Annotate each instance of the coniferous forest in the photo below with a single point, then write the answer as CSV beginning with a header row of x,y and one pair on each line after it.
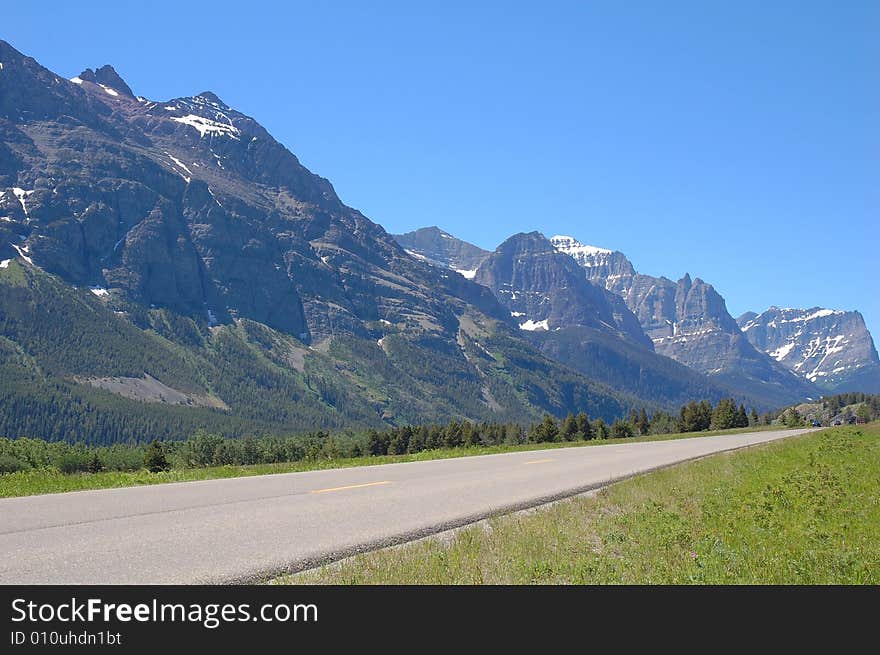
x,y
203,448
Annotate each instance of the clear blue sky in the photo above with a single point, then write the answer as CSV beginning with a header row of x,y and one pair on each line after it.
x,y
738,141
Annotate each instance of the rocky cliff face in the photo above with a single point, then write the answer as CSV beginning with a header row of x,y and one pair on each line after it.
x,y
192,206
545,290
688,321
442,249
832,348
584,325
610,268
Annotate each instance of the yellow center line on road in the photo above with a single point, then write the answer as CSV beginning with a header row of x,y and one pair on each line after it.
x,y
539,461
351,486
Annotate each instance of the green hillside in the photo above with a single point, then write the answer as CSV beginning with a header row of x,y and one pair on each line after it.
x,y
78,367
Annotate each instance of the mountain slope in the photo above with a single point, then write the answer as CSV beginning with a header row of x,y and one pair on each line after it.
x,y
832,348
689,322
186,204
227,282
63,350
442,249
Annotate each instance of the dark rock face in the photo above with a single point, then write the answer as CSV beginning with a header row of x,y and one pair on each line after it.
x,y
831,348
108,77
443,249
689,322
545,290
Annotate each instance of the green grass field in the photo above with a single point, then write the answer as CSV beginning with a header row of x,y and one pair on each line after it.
x,y
50,480
804,510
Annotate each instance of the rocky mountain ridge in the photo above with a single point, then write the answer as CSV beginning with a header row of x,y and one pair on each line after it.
x,y
829,347
685,320
442,249
688,321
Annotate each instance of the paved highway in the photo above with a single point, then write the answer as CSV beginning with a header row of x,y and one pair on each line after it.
x,y
243,528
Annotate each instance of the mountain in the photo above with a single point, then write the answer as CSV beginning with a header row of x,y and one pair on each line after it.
x,y
167,265
832,348
584,325
442,249
544,289
688,321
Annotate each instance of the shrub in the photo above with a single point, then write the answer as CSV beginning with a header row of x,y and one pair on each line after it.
x,y
73,462
201,448
10,464
224,453
120,457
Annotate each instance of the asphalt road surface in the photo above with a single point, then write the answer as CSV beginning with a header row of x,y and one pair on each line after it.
x,y
242,529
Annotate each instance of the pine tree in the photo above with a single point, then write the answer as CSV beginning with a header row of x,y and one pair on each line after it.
x,y
155,460
642,423
686,417
584,428
742,419
753,417
470,435
376,445
545,431
704,415
724,415
95,465
569,428
621,429
695,417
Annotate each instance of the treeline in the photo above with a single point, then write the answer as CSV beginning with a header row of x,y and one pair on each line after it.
x,y
870,402
851,407
207,449
698,416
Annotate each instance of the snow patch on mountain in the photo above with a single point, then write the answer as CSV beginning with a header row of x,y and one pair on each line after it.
x,y
23,253
184,167
780,353
22,195
207,127
571,246
818,314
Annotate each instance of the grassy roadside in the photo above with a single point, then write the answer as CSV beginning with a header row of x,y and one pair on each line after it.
x,y
46,481
804,510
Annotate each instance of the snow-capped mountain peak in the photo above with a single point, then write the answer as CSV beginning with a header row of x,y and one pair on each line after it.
x,y
571,246
830,347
